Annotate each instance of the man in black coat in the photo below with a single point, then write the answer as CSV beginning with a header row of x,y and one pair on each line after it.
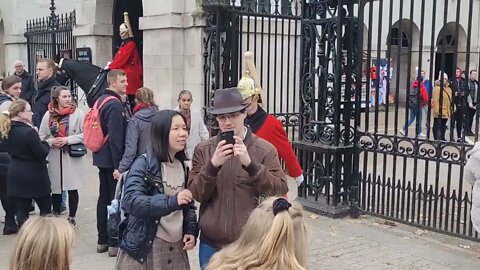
x,y
456,84
46,79
28,89
472,94
107,159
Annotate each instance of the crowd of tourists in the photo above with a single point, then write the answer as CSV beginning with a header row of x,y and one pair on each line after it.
x,y
167,162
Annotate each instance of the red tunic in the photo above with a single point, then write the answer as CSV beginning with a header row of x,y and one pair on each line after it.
x,y
272,131
127,59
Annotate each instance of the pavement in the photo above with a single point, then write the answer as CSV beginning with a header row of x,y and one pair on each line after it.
x,y
365,242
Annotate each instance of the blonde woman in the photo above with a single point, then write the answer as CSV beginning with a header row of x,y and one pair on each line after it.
x,y
27,176
195,126
441,107
43,243
61,126
274,237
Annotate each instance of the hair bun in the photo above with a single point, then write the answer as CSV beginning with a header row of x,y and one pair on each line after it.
x,y
280,205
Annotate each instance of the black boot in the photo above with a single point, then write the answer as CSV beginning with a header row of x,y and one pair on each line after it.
x,y
11,226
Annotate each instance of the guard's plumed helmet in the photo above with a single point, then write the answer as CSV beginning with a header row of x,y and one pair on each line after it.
x,y
249,84
125,26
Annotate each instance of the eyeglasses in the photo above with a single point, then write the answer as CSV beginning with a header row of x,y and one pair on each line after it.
x,y
223,117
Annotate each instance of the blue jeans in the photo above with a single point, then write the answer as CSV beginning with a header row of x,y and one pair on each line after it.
x,y
64,198
205,253
412,114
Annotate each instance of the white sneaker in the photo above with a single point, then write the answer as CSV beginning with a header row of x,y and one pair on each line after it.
x,y
402,132
422,135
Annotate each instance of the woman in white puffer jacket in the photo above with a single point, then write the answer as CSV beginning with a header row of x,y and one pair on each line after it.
x,y
472,176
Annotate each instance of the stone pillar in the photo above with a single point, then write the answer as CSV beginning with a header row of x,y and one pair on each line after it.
x,y
94,28
172,53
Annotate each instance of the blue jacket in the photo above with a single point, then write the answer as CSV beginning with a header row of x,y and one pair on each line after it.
x,y
145,203
138,136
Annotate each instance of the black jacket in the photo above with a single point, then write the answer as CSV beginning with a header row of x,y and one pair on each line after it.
x,y
4,155
114,124
42,98
28,89
27,175
145,204
472,87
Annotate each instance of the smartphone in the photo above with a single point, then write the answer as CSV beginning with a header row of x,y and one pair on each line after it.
x,y
228,137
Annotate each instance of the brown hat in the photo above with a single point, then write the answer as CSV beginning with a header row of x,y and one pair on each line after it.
x,y
227,100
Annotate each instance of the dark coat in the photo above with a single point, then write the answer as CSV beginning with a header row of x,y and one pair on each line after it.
x,y
145,204
114,123
27,175
28,88
4,156
42,98
138,136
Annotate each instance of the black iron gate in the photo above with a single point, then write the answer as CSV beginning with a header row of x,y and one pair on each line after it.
x,y
271,30
414,175
51,37
350,73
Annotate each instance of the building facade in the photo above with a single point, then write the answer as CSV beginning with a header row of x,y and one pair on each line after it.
x,y
171,37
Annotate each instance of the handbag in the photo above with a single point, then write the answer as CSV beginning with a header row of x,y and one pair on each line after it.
x,y
77,150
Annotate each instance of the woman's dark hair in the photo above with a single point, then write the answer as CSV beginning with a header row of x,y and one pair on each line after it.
x,y
160,131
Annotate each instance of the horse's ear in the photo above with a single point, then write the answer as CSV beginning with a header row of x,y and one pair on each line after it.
x,y
59,65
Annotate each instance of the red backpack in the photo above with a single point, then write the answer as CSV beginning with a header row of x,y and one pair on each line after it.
x,y
93,136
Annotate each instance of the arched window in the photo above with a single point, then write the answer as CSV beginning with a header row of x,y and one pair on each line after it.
x,y
447,40
395,38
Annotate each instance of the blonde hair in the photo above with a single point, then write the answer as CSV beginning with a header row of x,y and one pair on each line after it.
x,y
16,107
44,243
145,95
267,241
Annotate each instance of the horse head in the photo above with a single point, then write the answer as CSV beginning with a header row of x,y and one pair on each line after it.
x,y
89,77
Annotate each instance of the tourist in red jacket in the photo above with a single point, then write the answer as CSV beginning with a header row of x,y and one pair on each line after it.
x,y
265,125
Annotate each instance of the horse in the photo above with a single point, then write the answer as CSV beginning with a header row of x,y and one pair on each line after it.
x,y
91,78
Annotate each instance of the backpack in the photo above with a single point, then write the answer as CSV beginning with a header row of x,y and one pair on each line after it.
x,y
93,136
413,101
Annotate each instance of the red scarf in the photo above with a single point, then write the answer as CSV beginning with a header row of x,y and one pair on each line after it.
x,y
140,106
58,121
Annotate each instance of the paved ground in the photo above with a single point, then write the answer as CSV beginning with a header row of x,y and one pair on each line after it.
x,y
334,244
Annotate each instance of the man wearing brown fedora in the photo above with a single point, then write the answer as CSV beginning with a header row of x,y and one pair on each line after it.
x,y
227,179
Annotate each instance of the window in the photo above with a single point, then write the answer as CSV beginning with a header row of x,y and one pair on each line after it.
x,y
447,40
395,38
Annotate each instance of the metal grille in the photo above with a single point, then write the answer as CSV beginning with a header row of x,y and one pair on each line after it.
x,y
414,175
51,37
348,68
272,32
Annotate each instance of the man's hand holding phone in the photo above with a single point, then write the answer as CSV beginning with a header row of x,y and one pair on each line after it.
x,y
224,149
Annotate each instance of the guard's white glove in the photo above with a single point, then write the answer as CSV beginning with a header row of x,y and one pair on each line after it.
x,y
107,66
299,180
